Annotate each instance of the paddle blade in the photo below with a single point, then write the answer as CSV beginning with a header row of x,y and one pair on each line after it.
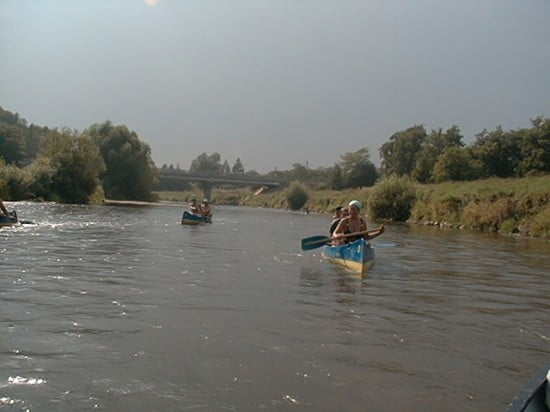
x,y
314,242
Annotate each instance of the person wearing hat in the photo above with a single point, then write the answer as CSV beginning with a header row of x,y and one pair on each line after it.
x,y
194,207
354,224
206,211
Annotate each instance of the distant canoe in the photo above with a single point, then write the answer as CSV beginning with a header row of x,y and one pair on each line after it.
x,y
6,221
357,256
191,219
535,396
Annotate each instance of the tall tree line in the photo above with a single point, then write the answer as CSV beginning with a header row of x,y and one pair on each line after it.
x,y
68,166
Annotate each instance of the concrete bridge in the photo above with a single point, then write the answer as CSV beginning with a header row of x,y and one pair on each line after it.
x,y
210,179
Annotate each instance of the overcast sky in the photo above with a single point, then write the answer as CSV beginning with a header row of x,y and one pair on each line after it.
x,y
275,82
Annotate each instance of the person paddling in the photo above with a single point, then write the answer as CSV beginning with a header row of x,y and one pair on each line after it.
x,y
335,219
206,211
5,212
353,224
194,207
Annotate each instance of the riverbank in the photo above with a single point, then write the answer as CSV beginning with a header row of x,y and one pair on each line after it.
x,y
506,206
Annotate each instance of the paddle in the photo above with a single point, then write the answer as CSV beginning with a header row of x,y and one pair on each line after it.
x,y
314,242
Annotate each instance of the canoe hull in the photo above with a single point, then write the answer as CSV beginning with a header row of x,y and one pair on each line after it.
x,y
357,256
534,397
191,219
6,221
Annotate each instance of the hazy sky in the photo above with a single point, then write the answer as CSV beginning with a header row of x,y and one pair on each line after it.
x,y
275,82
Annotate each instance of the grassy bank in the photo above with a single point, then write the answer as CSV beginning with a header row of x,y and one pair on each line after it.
x,y
507,206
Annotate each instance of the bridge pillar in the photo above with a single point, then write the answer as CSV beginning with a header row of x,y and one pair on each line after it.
x,y
207,191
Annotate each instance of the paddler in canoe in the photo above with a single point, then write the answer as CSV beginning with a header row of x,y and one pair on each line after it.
x,y
206,211
353,224
194,207
7,218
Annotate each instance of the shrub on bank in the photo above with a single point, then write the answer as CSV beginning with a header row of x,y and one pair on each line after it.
x,y
539,225
14,182
296,196
517,206
392,198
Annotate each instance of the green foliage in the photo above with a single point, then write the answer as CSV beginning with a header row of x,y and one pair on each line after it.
x,y
392,198
207,163
456,163
436,142
298,172
296,196
357,168
499,152
400,153
130,173
11,144
539,225
238,167
14,182
225,169
535,148
68,167
335,180
19,143
489,214
42,173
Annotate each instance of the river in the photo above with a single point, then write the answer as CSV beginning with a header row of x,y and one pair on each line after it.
x,y
121,308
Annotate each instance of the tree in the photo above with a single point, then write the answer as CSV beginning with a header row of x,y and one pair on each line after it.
x,y
400,153
298,172
456,163
207,163
225,168
68,167
11,143
130,172
19,143
238,167
499,152
335,180
357,169
535,148
436,142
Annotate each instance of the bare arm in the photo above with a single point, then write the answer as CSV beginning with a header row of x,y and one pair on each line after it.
x,y
376,232
3,208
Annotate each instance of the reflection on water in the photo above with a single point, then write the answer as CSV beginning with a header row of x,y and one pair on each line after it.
x,y
123,308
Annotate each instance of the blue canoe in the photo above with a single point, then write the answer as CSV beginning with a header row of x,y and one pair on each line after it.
x,y
357,256
535,396
191,219
6,221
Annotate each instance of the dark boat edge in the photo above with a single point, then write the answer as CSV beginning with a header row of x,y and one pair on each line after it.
x,y
533,395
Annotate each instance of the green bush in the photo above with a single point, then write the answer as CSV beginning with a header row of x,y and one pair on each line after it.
x,y
392,198
14,182
296,196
